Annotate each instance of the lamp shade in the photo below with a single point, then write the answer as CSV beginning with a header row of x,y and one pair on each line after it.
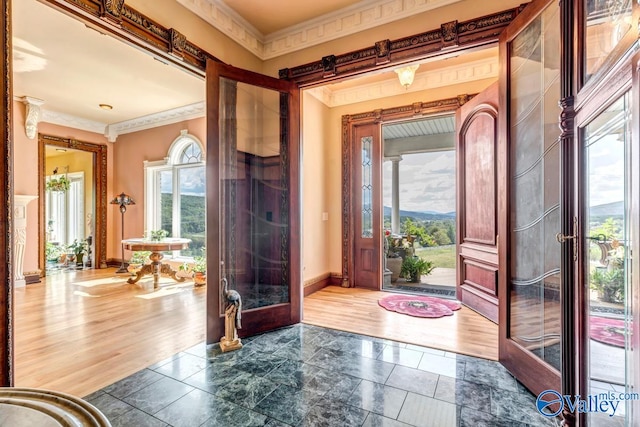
x,y
406,74
122,199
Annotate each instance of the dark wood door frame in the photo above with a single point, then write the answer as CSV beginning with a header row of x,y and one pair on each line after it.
x,y
378,117
99,165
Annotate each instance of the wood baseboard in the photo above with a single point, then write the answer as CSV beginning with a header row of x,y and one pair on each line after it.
x,y
322,281
32,277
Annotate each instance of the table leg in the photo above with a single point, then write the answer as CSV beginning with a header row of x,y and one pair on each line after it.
x,y
156,261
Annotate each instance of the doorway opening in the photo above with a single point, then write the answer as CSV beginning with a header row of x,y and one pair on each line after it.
x,y
419,206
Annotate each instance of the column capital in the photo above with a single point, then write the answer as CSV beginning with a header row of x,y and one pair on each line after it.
x,y
393,159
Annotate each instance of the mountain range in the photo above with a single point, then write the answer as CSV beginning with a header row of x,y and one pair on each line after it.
x,y
423,216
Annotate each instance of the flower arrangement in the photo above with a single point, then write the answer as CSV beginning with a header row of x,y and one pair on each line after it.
x,y
60,184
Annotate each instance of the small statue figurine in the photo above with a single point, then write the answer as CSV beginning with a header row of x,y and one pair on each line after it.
x,y
232,319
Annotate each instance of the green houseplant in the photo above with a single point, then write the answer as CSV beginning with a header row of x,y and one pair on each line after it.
x,y
413,267
79,249
60,184
199,269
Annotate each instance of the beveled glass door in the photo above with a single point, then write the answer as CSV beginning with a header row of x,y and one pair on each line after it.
x,y
530,329
253,237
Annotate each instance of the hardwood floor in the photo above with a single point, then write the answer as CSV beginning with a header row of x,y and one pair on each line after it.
x,y
78,332
357,310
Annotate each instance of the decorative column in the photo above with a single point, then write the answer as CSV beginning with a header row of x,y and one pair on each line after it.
x,y
20,233
395,194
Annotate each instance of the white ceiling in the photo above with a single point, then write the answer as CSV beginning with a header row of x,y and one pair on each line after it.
x,y
73,69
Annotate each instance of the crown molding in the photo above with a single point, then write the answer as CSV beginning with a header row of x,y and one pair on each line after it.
x,y
68,120
361,16
112,131
174,115
472,71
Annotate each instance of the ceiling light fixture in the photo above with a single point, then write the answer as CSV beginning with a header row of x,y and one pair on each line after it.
x,y
62,150
106,106
406,74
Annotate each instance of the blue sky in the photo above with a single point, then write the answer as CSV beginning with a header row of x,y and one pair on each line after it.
x,y
427,182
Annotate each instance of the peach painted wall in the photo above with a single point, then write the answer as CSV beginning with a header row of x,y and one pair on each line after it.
x,y
130,151
25,163
315,189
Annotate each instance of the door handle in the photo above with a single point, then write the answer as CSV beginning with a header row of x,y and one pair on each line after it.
x,y
561,238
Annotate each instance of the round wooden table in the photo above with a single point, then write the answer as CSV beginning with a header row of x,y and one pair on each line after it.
x,y
156,247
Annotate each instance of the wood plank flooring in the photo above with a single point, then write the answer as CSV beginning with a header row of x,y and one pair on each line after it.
x,y
77,332
357,310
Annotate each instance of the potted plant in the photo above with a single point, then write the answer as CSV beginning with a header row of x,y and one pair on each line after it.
x,y
413,267
138,258
199,269
52,252
79,249
157,235
60,184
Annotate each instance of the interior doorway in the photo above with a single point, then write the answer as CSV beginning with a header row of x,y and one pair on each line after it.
x,y
419,206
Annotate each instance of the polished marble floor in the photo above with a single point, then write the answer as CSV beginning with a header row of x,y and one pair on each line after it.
x,y
310,376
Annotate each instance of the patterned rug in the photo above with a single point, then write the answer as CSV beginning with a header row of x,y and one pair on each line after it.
x,y
419,306
607,331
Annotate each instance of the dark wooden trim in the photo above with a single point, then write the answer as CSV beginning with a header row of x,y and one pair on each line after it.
x,y
124,22
570,336
6,187
448,38
349,122
99,152
30,278
317,283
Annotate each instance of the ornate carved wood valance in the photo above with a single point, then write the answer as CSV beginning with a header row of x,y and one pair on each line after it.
x,y
450,37
122,18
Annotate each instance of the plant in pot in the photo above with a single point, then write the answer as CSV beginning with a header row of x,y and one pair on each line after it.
x,y
79,249
157,235
52,252
413,267
199,269
138,258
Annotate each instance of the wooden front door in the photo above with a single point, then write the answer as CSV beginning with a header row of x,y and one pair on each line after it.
x,y
367,156
477,204
253,201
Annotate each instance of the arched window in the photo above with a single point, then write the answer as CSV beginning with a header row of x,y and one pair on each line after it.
x,y
175,193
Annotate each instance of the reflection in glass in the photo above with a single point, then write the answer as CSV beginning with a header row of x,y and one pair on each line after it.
x,y
607,271
254,193
607,22
367,188
535,188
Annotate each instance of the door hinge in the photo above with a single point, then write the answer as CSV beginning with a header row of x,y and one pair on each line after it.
x,y
561,238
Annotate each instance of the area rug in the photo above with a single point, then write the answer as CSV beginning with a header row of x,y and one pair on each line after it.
x,y
607,331
419,306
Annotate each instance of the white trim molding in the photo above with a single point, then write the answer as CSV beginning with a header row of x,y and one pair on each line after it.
x,y
472,71
355,18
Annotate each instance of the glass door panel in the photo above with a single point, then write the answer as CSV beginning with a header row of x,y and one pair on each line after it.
x,y
607,269
606,23
254,196
535,206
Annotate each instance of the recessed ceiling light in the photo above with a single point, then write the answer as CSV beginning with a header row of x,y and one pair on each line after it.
x,y
106,106
61,149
